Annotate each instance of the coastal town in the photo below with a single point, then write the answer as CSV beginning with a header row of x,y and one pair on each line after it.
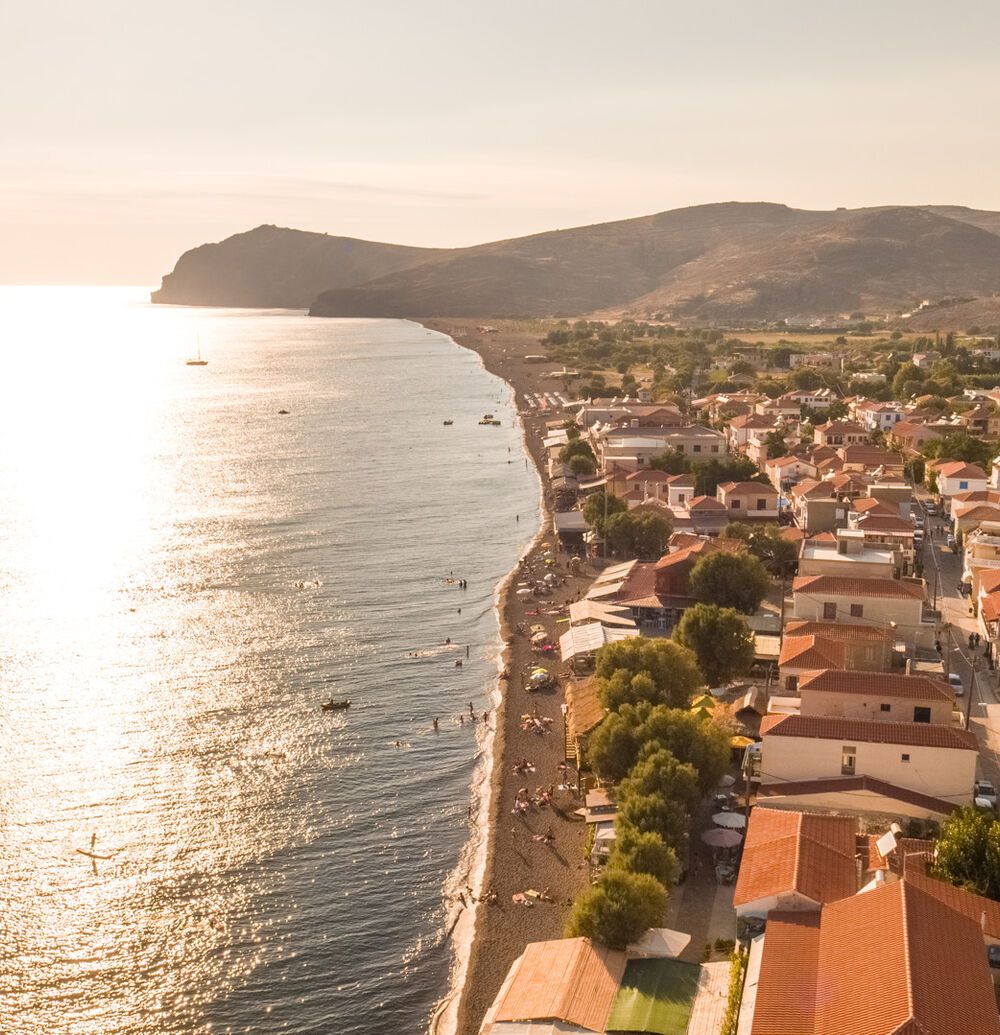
x,y
747,755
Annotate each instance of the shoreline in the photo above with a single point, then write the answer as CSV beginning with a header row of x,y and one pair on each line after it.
x,y
516,863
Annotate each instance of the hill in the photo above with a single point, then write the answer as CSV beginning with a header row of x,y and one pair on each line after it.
x,y
272,267
728,261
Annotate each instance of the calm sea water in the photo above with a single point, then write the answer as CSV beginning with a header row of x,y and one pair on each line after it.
x,y
184,575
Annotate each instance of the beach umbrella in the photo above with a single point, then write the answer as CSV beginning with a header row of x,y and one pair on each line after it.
x,y
539,638
704,701
727,780
538,628
741,742
701,713
719,838
733,820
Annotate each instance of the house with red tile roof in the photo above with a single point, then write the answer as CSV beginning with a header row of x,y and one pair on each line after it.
x,y
939,761
876,696
748,501
839,433
895,960
795,860
955,476
896,605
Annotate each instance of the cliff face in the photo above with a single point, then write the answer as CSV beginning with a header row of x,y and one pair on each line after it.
x,y
709,262
272,267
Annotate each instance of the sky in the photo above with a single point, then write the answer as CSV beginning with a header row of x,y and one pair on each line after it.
x,y
133,131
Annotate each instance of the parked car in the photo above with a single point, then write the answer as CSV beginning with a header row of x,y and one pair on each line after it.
x,y
955,682
918,518
952,542
984,791
931,508
918,537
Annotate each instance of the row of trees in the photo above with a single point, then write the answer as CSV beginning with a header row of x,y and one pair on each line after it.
x,y
663,759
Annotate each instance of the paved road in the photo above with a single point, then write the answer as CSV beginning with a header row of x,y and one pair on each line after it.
x,y
944,569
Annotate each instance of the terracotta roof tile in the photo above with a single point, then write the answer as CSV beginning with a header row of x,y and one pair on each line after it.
x,y
989,581
811,652
881,684
892,961
915,734
846,631
838,585
788,852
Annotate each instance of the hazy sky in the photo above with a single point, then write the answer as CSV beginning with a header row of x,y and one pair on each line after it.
x,y
132,131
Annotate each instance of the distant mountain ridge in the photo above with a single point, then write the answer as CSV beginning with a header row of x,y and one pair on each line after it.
x,y
725,261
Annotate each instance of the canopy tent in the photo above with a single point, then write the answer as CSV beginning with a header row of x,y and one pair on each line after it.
x,y
741,742
660,942
594,611
703,701
586,639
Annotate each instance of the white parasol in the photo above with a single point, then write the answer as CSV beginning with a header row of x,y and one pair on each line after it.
x,y
733,820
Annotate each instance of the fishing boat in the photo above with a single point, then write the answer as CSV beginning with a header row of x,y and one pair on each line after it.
x,y
335,706
448,423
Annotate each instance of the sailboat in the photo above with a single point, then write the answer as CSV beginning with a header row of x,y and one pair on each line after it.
x,y
199,362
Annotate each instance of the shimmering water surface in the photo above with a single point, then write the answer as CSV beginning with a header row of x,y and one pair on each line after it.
x,y
184,575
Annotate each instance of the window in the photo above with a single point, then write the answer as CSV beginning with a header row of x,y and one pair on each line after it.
x,y
921,714
885,707
762,504
904,758
857,610
734,504
963,485
848,760
829,610
696,448
792,684
715,449
680,497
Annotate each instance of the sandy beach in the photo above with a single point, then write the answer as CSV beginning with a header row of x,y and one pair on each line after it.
x,y
516,863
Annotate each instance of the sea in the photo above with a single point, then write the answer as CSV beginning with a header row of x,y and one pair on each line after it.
x,y
192,560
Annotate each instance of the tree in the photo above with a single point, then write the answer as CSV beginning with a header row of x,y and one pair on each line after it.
x,y
577,447
968,851
660,774
627,737
961,446
671,670
642,534
619,909
582,465
730,580
907,375
775,442
640,851
595,507
709,474
765,542
720,639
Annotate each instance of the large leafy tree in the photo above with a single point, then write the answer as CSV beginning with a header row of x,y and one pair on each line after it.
x,y
720,639
643,852
642,534
619,909
595,507
732,580
638,731
961,446
671,670
968,851
765,542
575,447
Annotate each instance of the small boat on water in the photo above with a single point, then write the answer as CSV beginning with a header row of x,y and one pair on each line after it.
x,y
448,423
490,422
335,706
197,361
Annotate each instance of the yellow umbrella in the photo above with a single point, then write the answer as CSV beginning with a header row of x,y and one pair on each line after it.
x,y
741,742
701,713
704,701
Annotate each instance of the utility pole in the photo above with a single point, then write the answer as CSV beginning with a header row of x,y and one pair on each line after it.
x,y
972,690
